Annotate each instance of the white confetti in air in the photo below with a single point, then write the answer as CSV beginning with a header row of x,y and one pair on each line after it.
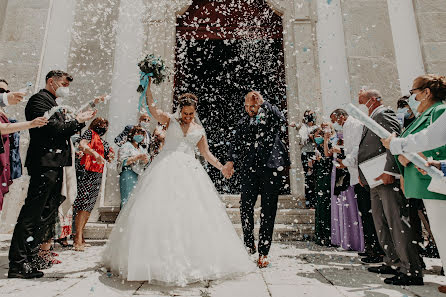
x,y
29,239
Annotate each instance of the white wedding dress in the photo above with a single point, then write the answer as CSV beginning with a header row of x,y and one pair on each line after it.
x,y
174,230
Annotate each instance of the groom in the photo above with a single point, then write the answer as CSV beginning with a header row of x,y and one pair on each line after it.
x,y
261,156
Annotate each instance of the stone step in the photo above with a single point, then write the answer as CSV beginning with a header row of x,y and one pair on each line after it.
x,y
282,232
283,216
109,214
285,201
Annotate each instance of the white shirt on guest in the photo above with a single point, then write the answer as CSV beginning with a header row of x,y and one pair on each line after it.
x,y
352,132
428,139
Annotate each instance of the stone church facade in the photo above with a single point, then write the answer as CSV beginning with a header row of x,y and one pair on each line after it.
x,y
331,49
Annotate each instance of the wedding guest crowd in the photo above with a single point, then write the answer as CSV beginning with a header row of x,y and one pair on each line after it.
x,y
66,167
382,218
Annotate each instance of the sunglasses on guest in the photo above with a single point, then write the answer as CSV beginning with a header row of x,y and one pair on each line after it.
x,y
3,91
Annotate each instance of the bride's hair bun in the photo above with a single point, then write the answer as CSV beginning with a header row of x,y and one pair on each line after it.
x,y
187,99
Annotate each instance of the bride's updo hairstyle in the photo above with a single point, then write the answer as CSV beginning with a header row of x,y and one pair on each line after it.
x,y
187,99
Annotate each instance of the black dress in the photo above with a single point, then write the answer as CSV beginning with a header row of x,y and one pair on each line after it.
x,y
322,172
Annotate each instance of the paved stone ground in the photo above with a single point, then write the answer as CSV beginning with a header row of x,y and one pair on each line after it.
x,y
298,269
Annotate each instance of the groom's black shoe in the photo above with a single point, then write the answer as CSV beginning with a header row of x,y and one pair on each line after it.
x,y
24,270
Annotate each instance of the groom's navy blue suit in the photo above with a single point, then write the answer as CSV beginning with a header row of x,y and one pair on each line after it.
x,y
260,155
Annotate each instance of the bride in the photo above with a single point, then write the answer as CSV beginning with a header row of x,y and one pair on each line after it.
x,y
174,230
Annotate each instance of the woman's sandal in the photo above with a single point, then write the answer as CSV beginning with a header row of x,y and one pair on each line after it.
x,y
79,248
48,256
63,243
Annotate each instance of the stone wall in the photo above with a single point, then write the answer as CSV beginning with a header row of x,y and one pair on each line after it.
x,y
431,17
21,38
90,59
370,50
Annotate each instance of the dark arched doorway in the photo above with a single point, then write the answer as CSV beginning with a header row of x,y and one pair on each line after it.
x,y
225,49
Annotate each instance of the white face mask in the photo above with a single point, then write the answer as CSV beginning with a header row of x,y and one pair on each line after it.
x,y
363,108
414,104
62,92
145,125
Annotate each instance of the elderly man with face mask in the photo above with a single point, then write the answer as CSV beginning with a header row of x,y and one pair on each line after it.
x,y
144,122
389,206
260,155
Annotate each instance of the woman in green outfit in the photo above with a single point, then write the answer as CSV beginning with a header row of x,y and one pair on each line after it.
x,y
428,108
428,88
427,94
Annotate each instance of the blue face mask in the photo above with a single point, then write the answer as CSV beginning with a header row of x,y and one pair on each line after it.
x,y
413,104
319,140
138,138
404,111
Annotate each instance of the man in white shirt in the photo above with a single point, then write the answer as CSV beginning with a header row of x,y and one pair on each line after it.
x,y
352,132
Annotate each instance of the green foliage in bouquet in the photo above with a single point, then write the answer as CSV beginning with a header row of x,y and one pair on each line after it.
x,y
154,67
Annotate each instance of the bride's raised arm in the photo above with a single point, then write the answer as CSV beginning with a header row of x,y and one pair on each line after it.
x,y
204,151
161,116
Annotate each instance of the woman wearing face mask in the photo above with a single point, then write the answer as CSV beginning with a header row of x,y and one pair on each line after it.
x,y
307,148
427,94
132,160
89,175
322,166
404,112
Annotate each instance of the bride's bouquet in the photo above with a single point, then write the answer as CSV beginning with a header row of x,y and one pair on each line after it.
x,y
153,67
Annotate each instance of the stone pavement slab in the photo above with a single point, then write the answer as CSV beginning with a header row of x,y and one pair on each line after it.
x,y
297,269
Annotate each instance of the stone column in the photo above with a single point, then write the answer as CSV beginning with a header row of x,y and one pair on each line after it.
x,y
124,98
335,82
57,39
369,48
408,56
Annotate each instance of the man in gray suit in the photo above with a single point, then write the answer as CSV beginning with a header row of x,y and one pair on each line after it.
x,y
389,206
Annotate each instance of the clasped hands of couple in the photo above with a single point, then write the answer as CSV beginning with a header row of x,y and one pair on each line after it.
x,y
228,170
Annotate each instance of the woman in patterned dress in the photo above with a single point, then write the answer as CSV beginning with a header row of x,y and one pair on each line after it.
x,y
89,175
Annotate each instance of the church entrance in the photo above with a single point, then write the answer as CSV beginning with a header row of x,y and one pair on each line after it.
x,y
224,49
